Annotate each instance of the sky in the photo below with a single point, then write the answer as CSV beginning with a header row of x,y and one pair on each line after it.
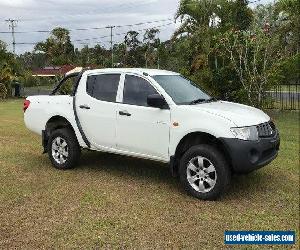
x,y
41,15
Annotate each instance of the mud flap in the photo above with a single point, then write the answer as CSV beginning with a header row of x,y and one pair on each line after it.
x,y
173,166
45,141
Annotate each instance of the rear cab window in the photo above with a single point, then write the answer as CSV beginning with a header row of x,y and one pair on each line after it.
x,y
103,87
65,86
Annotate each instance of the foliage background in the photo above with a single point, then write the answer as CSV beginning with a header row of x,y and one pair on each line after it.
x,y
233,51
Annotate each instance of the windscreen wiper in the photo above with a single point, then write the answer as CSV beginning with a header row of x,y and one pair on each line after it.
x,y
202,100
197,101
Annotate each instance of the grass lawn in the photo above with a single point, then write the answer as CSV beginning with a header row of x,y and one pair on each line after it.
x,y
112,201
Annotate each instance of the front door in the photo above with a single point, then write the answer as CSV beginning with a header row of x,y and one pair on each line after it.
x,y
141,129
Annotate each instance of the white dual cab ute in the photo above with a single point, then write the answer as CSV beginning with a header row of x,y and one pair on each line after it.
x,y
157,115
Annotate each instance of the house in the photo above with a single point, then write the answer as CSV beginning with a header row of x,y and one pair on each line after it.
x,y
52,71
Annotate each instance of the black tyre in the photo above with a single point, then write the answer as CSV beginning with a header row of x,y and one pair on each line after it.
x,y
204,172
63,148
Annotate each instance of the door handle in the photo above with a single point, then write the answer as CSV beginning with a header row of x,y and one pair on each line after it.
x,y
124,113
84,107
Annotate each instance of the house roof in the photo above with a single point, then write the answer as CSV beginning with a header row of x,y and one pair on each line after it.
x,y
53,70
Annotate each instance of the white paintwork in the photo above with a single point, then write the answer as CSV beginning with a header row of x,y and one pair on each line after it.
x,y
43,107
146,124
148,132
98,122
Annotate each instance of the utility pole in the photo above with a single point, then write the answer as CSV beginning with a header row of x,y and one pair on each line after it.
x,y
12,25
111,44
88,54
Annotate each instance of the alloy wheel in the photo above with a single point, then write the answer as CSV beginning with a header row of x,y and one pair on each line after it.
x,y
201,174
60,151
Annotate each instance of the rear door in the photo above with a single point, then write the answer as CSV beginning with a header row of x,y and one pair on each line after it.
x,y
97,109
141,130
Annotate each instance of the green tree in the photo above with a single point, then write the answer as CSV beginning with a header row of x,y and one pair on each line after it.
x,y
289,15
242,14
8,68
120,54
252,54
151,42
84,56
58,47
32,60
202,20
134,52
195,15
281,22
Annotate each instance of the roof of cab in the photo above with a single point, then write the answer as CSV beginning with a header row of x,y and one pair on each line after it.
x,y
140,71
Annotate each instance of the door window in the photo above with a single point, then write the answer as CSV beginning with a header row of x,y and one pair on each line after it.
x,y
136,91
103,87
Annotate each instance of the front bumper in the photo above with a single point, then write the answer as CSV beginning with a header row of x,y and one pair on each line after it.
x,y
247,156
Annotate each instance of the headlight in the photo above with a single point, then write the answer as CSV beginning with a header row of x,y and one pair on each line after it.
x,y
245,133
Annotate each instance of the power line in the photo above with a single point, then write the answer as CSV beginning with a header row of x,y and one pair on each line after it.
x,y
159,26
122,33
149,22
102,42
81,41
87,29
106,36
12,25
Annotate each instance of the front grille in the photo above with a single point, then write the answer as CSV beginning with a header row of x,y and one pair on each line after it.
x,y
272,125
266,129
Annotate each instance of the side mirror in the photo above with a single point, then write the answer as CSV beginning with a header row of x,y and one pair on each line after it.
x,y
157,101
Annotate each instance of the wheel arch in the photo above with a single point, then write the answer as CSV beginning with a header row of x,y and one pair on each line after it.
x,y
54,123
196,138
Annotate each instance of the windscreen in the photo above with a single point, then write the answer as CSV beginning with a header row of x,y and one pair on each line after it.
x,y
180,89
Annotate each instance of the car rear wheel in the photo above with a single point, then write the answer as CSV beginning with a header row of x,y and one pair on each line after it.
x,y
63,149
204,172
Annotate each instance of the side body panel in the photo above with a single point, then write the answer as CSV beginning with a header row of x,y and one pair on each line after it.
x,y
42,108
190,121
146,131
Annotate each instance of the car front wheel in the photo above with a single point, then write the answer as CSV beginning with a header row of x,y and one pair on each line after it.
x,y
204,172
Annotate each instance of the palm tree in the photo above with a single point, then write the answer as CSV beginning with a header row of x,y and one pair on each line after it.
x,y
196,15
